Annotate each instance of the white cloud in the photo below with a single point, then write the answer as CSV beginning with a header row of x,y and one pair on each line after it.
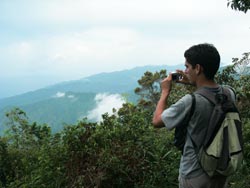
x,y
105,104
71,96
59,95
92,11
98,43
62,94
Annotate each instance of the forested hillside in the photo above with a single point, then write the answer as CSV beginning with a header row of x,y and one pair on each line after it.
x,y
74,99
122,150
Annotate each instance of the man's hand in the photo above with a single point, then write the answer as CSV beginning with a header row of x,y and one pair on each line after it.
x,y
166,85
184,79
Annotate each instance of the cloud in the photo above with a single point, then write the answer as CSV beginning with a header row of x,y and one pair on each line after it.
x,y
105,104
109,11
62,94
98,43
59,95
71,96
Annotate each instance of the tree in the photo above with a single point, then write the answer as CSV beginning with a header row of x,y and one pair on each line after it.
x,y
24,134
242,67
149,89
241,5
237,76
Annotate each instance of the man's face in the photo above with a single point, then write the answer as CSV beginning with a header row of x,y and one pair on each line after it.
x,y
190,72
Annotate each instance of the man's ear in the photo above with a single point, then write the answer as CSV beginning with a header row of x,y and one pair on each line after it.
x,y
198,69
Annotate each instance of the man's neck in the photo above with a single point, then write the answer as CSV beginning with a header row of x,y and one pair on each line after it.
x,y
206,83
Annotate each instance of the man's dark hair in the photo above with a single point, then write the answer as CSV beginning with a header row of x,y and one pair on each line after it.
x,y
207,56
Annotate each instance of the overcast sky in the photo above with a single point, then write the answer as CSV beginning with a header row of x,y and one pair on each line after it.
x,y
48,41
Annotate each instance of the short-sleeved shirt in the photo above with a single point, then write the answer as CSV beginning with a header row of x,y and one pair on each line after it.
x,y
178,114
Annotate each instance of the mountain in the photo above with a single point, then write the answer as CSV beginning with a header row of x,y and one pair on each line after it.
x,y
68,101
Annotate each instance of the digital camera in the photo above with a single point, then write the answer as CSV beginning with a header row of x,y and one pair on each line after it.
x,y
176,76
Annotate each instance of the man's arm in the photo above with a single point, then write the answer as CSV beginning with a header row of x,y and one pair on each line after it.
x,y
162,103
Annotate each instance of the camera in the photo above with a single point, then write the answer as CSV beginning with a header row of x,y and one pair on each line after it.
x,y
176,76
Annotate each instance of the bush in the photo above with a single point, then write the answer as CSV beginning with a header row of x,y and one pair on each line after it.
x,y
116,153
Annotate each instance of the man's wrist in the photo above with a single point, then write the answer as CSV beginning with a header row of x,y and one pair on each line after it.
x,y
164,96
165,93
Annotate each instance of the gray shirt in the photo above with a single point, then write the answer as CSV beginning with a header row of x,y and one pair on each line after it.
x,y
178,114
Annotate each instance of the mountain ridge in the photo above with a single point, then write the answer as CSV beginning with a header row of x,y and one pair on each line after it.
x,y
85,84
43,101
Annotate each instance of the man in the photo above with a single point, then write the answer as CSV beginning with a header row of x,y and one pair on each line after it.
x,y
202,63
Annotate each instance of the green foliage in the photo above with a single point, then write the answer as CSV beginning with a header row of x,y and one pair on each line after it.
x,y
118,152
28,156
149,89
241,5
122,151
237,75
4,163
242,178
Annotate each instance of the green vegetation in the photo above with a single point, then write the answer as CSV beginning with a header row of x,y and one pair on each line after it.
x,y
123,150
240,5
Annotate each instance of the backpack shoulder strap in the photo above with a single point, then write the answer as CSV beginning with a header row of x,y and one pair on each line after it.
x,y
192,106
230,92
210,96
214,98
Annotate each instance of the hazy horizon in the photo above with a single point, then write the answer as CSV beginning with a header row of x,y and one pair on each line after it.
x,y
64,81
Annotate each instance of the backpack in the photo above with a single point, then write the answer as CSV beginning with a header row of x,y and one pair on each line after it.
x,y
221,153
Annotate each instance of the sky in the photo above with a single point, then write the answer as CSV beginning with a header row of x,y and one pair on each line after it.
x,y
50,41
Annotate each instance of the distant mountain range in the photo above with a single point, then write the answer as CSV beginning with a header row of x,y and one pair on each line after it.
x,y
66,102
